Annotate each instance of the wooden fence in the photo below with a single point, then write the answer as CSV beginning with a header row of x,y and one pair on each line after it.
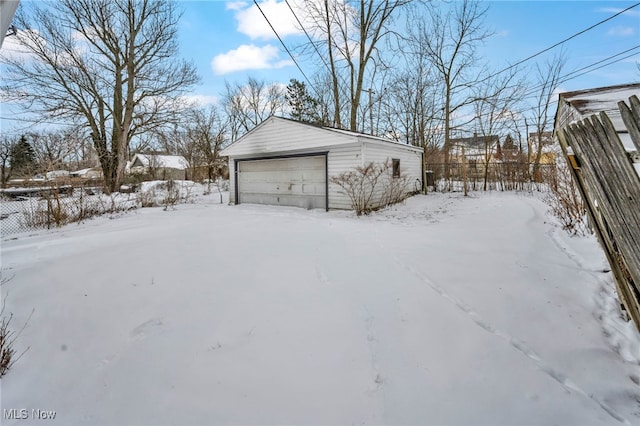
x,y
610,186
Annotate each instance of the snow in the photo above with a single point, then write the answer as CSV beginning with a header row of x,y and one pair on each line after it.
x,y
168,161
443,310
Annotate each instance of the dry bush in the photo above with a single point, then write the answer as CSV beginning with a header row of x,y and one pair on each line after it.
x,y
172,197
565,201
147,198
55,211
395,190
360,185
8,338
166,194
371,186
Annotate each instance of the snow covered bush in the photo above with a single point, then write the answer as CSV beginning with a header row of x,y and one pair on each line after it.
x,y
165,193
372,186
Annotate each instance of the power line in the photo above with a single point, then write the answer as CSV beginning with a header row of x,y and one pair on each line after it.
x,y
340,76
566,39
567,77
285,47
308,36
529,94
577,73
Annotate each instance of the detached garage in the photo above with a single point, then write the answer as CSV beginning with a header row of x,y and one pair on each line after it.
x,y
288,163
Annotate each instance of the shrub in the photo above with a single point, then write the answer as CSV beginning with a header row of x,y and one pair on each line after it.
x,y
172,196
8,338
565,201
372,186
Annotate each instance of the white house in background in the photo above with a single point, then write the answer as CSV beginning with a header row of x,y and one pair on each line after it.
x,y
289,163
159,166
57,174
89,173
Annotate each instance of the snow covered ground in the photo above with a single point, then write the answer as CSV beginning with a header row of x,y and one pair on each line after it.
x,y
444,310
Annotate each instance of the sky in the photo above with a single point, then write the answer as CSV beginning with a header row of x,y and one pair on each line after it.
x,y
229,41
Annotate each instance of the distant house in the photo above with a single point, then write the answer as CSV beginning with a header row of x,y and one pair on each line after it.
x,y
89,173
57,174
162,167
549,148
475,152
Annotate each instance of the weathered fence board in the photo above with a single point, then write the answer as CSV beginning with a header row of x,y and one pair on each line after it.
x,y
585,178
631,119
610,186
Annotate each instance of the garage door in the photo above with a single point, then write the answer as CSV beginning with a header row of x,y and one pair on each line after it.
x,y
293,181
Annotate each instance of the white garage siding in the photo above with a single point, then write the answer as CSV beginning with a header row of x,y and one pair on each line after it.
x,y
410,161
278,138
290,181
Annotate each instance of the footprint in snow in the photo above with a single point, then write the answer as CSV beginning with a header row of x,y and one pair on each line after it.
x,y
145,328
322,277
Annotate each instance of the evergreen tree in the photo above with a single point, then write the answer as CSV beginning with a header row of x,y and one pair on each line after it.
x,y
304,107
509,143
22,158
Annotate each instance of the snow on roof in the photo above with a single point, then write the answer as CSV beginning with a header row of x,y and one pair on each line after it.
x,y
602,99
167,161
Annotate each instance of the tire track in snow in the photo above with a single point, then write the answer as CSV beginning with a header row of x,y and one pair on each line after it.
x,y
377,385
518,345
376,377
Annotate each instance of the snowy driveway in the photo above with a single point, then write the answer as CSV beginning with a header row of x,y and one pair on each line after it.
x,y
441,311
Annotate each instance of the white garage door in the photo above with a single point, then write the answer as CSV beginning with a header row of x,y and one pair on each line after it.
x,y
296,181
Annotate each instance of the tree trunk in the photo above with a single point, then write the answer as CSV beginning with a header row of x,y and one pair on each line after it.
x,y
447,130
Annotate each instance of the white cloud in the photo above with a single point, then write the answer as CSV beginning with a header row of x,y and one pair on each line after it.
x,y
236,5
615,10
621,31
253,24
201,100
18,46
248,57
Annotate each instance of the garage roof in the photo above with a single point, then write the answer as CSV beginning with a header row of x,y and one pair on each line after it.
x,y
278,134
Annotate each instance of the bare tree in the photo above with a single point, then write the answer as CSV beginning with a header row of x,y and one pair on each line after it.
x,y
411,105
54,149
206,133
548,78
495,99
450,39
247,105
323,84
110,64
350,33
6,147
411,109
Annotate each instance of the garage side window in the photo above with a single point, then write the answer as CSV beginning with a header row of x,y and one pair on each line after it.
x,y
395,162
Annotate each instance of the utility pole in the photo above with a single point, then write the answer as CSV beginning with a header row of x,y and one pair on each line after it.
x,y
370,91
